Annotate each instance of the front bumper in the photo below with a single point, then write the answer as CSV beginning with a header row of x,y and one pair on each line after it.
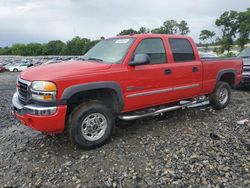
x,y
40,118
245,79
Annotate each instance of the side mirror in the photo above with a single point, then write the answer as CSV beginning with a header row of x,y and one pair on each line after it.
x,y
140,59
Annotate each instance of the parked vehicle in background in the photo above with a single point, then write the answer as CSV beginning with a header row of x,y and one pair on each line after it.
x,y
6,65
245,55
207,55
126,77
2,68
19,67
51,62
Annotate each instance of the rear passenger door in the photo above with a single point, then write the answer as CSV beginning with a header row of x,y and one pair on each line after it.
x,y
186,69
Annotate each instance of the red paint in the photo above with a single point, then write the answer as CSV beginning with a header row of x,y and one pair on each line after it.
x,y
53,124
151,77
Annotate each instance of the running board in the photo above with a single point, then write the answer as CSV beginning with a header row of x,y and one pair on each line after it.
x,y
154,112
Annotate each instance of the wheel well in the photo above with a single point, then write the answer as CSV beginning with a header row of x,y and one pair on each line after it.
x,y
229,78
107,96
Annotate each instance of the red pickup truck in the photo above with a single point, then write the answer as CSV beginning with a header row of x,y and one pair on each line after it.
x,y
124,77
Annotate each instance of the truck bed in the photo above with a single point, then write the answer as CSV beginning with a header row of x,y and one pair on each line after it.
x,y
213,67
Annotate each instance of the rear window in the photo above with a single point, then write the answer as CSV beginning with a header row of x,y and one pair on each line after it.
x,y
182,50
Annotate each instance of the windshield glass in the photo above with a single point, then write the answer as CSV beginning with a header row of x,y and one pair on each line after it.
x,y
245,53
109,50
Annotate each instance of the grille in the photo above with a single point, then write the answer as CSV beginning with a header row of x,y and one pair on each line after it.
x,y
246,68
23,90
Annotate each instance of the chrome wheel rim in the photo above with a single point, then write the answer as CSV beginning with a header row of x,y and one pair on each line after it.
x,y
223,96
94,126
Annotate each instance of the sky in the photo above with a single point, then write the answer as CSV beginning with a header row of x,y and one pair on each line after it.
x,y
25,21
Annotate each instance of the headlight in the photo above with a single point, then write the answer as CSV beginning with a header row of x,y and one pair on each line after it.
x,y
43,91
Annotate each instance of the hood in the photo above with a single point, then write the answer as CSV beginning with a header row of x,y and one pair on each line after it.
x,y
61,70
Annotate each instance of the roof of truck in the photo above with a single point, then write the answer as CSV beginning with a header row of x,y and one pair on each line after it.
x,y
151,35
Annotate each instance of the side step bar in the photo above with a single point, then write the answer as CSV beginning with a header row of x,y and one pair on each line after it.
x,y
183,104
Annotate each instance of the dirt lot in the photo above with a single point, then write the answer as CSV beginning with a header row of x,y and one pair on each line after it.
x,y
193,147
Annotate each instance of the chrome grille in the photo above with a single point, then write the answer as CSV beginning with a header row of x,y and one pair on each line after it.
x,y
246,68
23,90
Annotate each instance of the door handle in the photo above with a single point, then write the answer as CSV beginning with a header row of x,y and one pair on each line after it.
x,y
195,69
167,71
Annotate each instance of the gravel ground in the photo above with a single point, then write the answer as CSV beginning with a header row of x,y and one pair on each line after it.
x,y
196,147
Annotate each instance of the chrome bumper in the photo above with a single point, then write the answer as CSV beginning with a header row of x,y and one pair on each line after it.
x,y
31,108
245,78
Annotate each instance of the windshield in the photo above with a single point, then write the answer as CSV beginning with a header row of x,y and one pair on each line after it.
x,y
109,50
245,53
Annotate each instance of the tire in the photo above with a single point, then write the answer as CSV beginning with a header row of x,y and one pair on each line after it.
x,y
220,98
15,70
85,121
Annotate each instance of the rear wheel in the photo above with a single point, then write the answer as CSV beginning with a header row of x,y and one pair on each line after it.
x,y
220,98
90,124
15,70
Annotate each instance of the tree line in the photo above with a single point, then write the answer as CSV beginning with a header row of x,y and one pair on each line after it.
x,y
234,28
76,46
168,27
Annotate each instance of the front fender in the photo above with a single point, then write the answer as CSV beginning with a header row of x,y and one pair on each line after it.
x,y
72,90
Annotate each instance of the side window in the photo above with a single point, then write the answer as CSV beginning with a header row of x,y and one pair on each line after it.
x,y
182,50
154,49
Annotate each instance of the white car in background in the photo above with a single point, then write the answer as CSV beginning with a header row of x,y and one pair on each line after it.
x,y
6,66
208,55
19,67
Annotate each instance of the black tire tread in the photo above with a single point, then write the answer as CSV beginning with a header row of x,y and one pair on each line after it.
x,y
213,98
72,116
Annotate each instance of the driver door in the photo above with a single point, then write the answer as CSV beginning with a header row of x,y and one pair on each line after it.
x,y
148,85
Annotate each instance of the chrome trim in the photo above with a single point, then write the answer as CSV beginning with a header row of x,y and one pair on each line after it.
x,y
246,74
185,87
42,92
28,83
31,108
163,90
24,81
132,88
157,112
199,101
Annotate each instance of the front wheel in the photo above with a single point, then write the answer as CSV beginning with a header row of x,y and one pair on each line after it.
x,y
15,70
90,125
220,98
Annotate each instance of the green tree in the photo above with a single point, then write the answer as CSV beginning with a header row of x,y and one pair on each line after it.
x,y
77,46
6,51
228,24
128,32
34,49
143,30
159,30
55,47
244,28
206,37
183,28
172,27
18,49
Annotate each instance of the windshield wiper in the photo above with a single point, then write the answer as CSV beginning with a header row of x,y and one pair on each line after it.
x,y
95,59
